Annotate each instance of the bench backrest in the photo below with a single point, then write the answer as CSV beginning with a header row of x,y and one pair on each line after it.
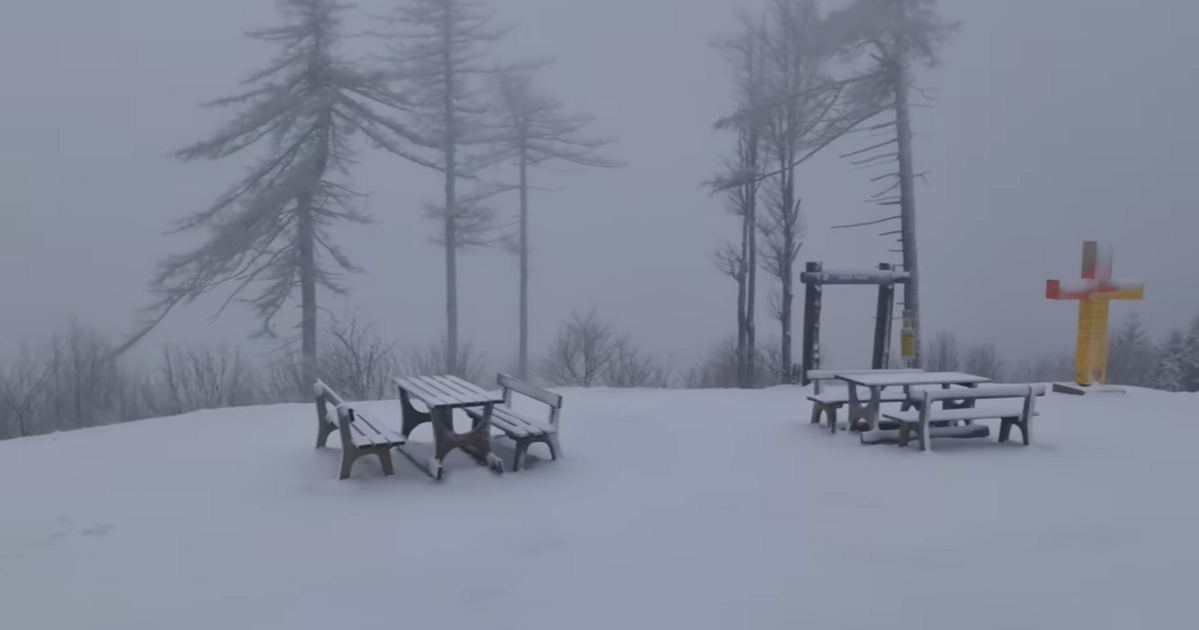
x,y
983,392
816,376
513,384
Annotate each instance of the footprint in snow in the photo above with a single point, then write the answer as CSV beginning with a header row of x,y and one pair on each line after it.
x,y
99,529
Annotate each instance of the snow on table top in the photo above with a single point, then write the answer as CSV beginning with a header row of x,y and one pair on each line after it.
x,y
911,378
445,391
231,519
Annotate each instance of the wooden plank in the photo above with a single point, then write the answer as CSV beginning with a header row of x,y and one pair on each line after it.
x,y
828,375
841,399
447,392
510,428
416,388
473,393
531,427
949,415
891,436
388,434
462,392
913,378
532,391
982,393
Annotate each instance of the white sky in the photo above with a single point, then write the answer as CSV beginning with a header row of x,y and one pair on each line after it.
x,y
1055,121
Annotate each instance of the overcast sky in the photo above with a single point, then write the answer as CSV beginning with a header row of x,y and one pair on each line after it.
x,y
1053,122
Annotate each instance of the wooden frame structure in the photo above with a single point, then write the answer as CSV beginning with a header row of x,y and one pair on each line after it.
x,y
815,277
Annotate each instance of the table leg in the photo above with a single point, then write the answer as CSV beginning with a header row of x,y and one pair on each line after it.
x,y
476,442
411,418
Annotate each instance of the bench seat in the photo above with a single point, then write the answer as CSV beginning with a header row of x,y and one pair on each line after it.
x,y
893,436
949,415
512,423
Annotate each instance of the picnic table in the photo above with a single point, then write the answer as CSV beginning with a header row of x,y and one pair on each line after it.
x,y
870,410
443,394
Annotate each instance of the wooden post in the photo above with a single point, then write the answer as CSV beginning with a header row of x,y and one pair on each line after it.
x,y
811,323
882,322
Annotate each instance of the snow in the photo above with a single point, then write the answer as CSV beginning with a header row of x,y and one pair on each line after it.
x,y
230,519
910,378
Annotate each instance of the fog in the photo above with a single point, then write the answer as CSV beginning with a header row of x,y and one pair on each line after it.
x,y
1050,123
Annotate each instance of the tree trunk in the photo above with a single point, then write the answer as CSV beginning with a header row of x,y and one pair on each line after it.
x,y
524,264
907,201
307,249
451,202
742,321
751,289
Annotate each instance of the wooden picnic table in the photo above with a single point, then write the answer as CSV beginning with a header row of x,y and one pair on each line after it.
x,y
869,410
443,394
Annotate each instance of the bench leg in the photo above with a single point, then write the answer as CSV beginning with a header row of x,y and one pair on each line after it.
x,y
347,462
555,448
830,412
922,434
322,436
817,411
518,460
1005,428
905,434
385,461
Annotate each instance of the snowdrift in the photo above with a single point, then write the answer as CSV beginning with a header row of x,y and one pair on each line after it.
x,y
673,509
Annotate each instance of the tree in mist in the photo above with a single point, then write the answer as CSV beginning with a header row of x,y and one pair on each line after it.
x,y
983,359
798,120
941,354
582,352
739,183
302,113
1170,373
1132,358
535,130
435,51
889,36
190,379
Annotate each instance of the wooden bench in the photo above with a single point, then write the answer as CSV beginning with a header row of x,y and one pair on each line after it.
x,y
922,421
519,427
827,404
360,435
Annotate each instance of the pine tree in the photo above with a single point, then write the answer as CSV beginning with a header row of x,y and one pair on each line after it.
x,y
1132,359
435,51
304,110
891,35
1170,374
535,130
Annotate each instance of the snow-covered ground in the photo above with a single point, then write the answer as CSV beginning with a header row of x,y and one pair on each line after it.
x,y
674,509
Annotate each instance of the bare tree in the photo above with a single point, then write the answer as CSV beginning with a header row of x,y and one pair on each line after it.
x,y
984,360
942,353
535,130
196,378
435,51
434,359
632,368
582,353
304,110
356,360
22,394
890,35
739,181
801,119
